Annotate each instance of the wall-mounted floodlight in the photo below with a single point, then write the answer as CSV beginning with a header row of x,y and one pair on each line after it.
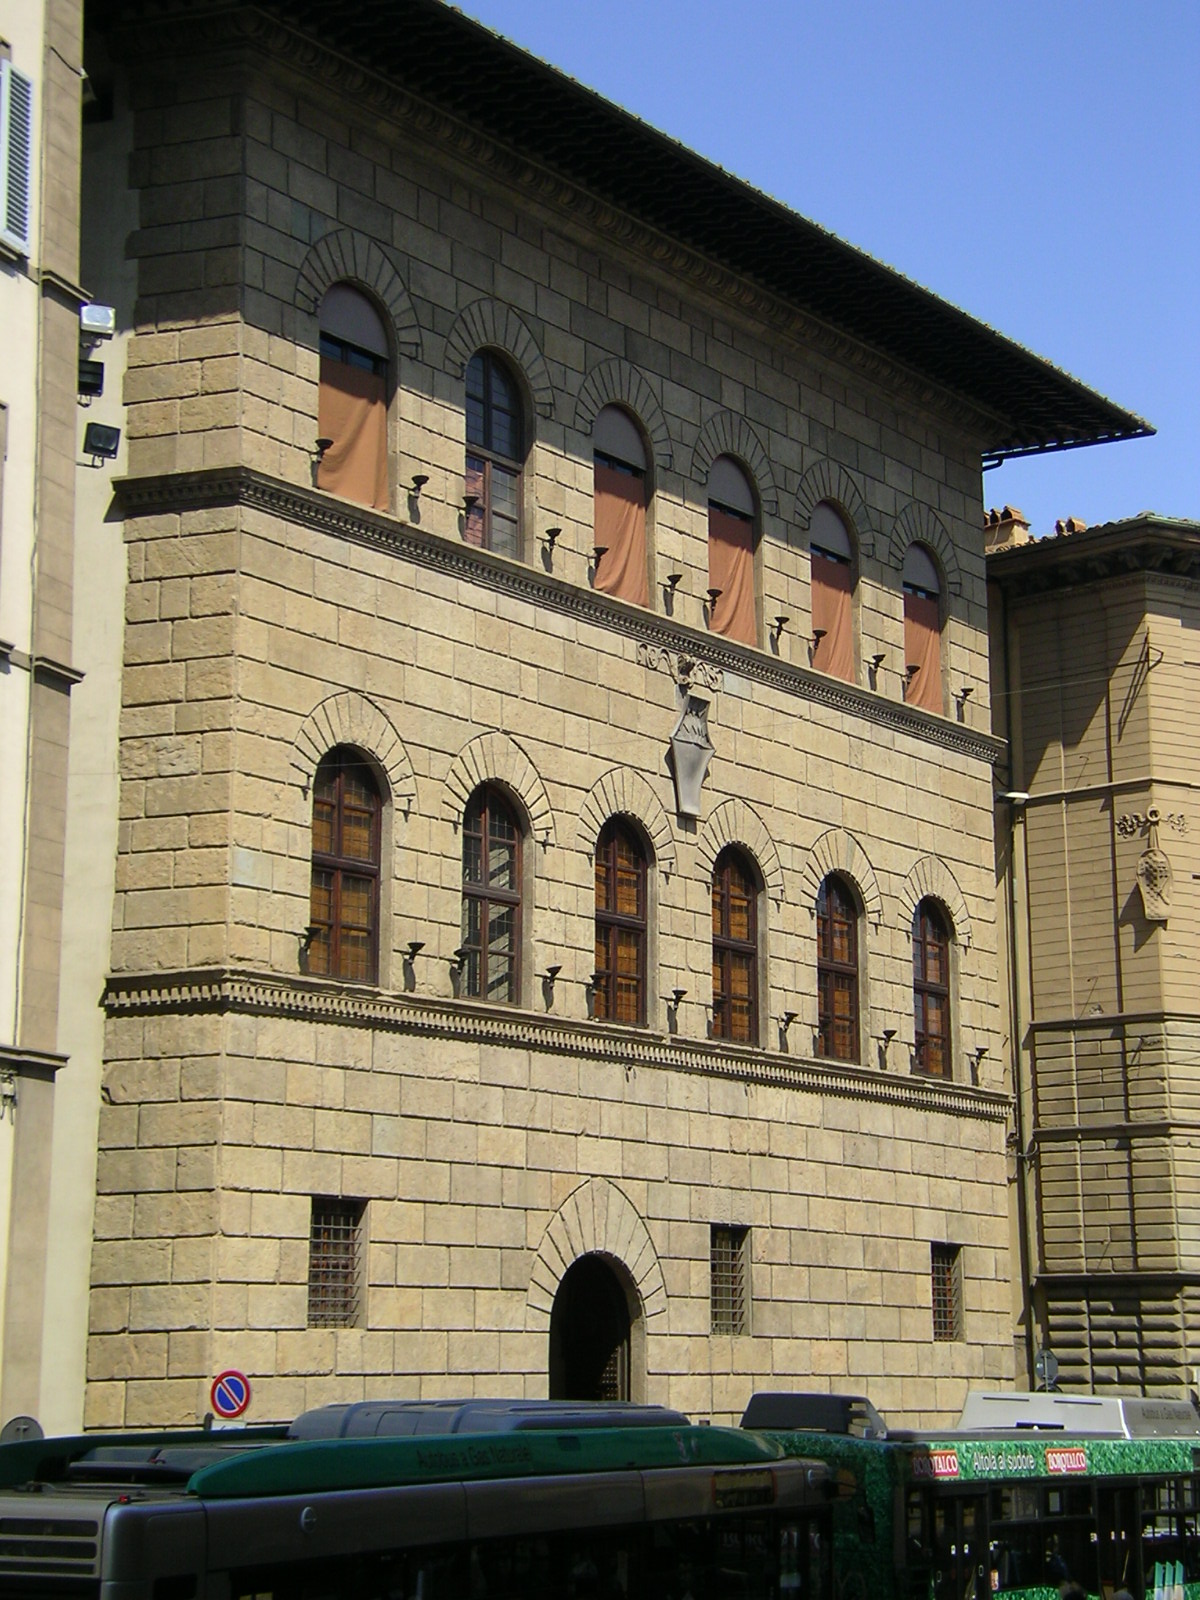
x,y
91,378
97,322
101,442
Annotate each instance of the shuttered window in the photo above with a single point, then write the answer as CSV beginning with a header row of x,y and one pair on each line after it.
x,y
344,902
619,981
735,949
931,991
16,158
837,972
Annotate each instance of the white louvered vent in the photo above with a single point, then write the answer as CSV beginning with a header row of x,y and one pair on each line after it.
x,y
16,157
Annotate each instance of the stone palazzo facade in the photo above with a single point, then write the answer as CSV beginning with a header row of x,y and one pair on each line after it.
x,y
512,981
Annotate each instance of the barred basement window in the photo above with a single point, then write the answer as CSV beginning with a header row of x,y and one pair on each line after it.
x,y
945,1271
335,1251
729,1289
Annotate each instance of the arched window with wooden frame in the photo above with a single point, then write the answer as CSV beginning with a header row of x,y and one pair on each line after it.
x,y
491,904
619,458
734,948
837,971
353,398
922,630
619,980
495,455
343,934
732,515
931,991
831,573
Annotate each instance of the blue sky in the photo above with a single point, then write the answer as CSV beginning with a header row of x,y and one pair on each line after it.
x,y
1036,164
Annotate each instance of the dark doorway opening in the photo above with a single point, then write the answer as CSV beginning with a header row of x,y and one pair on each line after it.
x,y
589,1334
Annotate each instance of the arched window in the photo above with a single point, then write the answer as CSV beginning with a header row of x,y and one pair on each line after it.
x,y
495,454
352,401
620,516
837,971
491,908
832,578
344,905
619,993
731,552
922,630
735,949
931,990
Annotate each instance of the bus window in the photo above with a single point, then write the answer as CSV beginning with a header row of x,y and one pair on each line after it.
x,y
1117,1531
759,1557
1170,1543
960,1572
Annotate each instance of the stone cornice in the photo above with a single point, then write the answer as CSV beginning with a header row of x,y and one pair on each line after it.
x,y
1153,547
1103,1280
234,29
1118,1128
310,508
228,992
31,1063
1113,1019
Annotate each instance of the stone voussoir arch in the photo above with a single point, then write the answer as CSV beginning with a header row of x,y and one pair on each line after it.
x,y
840,852
596,1218
828,481
734,822
349,718
492,325
932,879
727,434
495,758
346,256
622,792
619,383
917,524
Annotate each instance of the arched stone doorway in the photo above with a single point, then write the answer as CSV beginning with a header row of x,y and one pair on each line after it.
x,y
595,1333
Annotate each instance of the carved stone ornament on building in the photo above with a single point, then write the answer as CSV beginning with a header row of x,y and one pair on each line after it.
x,y
691,751
1154,875
685,669
1131,823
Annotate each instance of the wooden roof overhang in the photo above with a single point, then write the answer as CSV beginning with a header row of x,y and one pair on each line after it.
x,y
433,52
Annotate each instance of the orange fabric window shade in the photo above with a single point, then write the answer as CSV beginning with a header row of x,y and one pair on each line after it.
x,y
731,570
352,411
832,617
621,532
923,650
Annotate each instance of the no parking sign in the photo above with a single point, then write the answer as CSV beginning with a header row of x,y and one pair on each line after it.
x,y
230,1394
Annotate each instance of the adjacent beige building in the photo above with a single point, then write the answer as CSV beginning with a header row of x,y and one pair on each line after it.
x,y
554,940
1094,661
53,924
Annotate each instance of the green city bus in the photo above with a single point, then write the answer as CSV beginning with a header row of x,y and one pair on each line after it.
x,y
485,1500
1029,1496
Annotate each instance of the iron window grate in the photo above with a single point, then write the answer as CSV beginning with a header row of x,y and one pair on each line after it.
x,y
335,1262
946,1283
729,1282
